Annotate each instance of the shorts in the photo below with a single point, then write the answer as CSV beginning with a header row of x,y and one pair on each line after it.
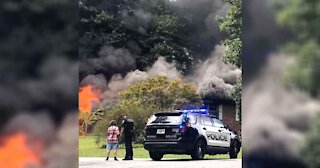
x,y
113,146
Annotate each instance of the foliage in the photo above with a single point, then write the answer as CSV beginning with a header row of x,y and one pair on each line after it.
x,y
86,120
147,30
311,151
161,93
232,25
140,100
304,73
302,18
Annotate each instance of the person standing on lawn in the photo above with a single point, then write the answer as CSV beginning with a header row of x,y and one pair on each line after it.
x,y
112,139
127,132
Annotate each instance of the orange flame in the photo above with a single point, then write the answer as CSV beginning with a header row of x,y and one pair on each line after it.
x,y
87,96
15,152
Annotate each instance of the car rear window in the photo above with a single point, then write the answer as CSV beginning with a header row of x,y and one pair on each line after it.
x,y
166,118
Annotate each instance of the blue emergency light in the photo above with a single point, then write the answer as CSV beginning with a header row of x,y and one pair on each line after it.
x,y
201,111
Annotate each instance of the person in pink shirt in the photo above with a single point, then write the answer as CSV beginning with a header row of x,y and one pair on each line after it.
x,y
113,134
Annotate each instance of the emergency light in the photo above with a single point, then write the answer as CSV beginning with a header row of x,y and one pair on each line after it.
x,y
201,111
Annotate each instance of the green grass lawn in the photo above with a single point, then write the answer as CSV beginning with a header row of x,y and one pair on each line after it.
x,y
88,148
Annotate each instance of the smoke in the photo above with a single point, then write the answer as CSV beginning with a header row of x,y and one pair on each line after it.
x,y
138,21
58,144
201,27
110,61
214,77
275,118
118,82
52,91
37,106
39,76
202,23
161,67
261,34
37,125
66,137
98,81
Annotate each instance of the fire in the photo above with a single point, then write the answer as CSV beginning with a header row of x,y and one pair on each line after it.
x,y
15,152
87,96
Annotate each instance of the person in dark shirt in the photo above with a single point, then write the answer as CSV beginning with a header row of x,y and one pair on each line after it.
x,y
127,133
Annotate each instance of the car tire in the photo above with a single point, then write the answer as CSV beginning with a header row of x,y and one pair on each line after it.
x,y
233,151
155,156
199,150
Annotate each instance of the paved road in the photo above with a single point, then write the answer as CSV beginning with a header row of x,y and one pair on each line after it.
x,y
165,163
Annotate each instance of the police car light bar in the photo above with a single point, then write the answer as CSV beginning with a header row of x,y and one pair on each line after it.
x,y
202,111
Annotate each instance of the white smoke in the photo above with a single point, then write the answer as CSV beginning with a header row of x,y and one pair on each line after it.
x,y
213,76
275,117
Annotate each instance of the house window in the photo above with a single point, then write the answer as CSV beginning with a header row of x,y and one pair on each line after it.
x,y
220,110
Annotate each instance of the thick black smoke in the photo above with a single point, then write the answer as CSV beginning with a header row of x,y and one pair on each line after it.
x,y
38,68
260,35
202,23
110,61
39,75
54,91
201,28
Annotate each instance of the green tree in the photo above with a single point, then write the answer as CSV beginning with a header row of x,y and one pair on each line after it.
x,y
232,25
86,120
160,92
311,150
304,73
144,98
302,18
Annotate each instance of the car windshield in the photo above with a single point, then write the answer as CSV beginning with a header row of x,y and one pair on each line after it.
x,y
166,118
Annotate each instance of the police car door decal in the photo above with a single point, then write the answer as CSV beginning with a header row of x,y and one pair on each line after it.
x,y
211,132
223,135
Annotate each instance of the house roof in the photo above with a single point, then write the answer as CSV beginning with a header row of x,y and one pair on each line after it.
x,y
212,99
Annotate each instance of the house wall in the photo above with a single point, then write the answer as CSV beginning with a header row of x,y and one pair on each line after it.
x,y
229,117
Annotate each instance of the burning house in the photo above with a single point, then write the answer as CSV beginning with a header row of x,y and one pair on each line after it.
x,y
212,78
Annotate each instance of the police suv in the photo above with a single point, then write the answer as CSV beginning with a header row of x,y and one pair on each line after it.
x,y
192,132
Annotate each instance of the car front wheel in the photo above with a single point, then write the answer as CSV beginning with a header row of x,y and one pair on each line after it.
x,y
155,156
233,151
199,150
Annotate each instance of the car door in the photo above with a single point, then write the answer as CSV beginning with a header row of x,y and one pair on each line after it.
x,y
211,133
224,137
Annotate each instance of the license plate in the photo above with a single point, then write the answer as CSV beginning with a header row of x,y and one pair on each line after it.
x,y
161,131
